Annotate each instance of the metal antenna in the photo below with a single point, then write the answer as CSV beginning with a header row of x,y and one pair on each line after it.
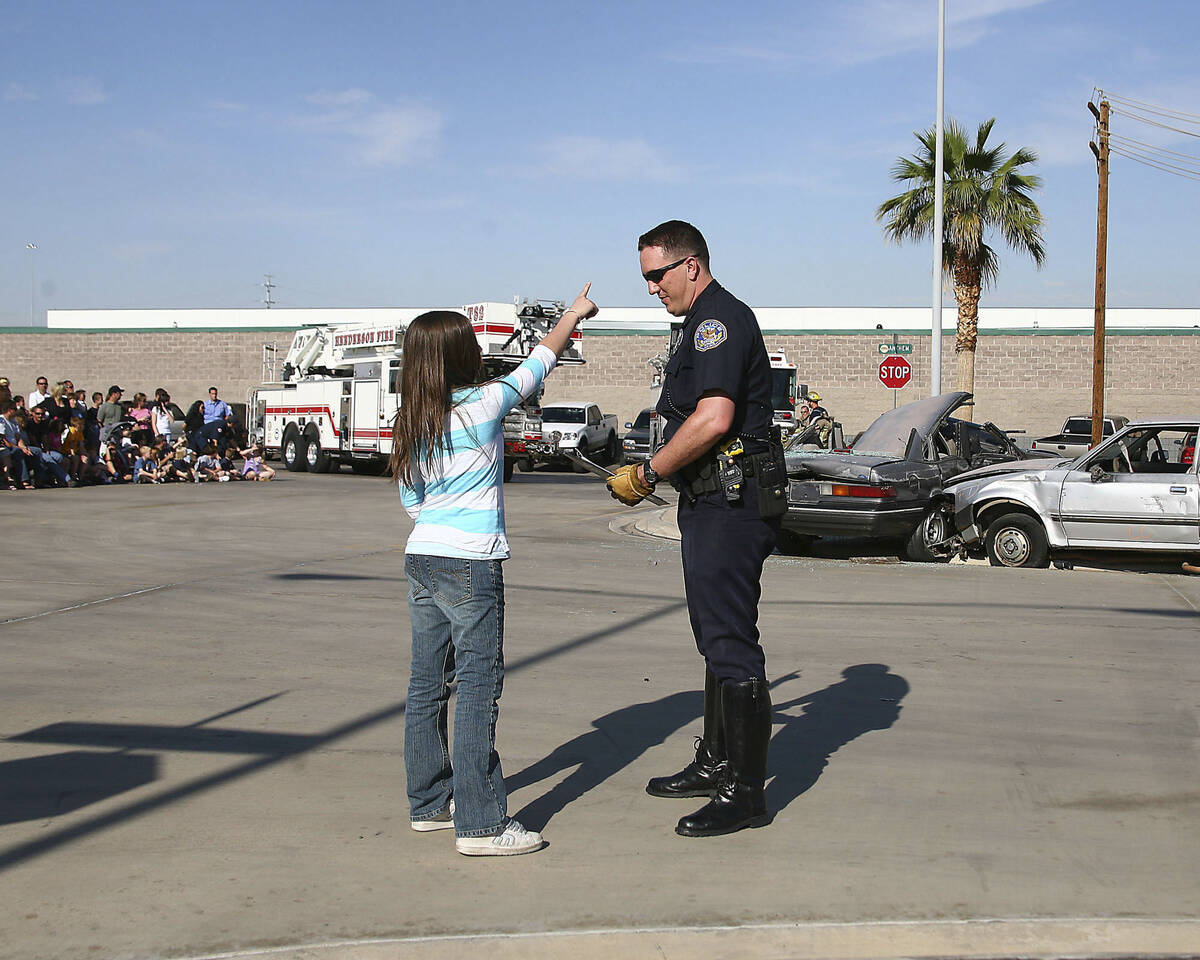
x,y
269,286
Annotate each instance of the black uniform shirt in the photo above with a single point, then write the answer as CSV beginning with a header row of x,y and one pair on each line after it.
x,y
720,348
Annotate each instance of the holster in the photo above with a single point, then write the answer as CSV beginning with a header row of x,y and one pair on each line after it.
x,y
770,473
698,477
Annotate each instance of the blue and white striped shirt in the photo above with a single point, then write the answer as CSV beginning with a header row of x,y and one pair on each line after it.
x,y
458,501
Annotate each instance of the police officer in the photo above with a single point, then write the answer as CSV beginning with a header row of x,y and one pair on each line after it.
x,y
723,456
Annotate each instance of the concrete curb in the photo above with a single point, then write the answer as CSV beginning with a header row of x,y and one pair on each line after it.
x,y
882,940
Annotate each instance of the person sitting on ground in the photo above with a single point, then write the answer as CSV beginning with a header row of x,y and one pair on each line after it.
x,y
175,467
145,467
72,448
44,436
117,464
227,458
13,450
255,468
208,466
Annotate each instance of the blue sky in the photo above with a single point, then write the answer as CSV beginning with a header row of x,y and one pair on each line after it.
x,y
167,154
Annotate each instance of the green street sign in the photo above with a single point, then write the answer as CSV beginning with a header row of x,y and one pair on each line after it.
x,y
895,349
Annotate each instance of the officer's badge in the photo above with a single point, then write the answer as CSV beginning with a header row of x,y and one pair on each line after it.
x,y
710,333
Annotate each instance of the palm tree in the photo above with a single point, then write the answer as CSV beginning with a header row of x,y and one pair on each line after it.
x,y
984,190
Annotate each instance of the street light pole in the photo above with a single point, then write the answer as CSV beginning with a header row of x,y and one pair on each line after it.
x,y
32,248
935,346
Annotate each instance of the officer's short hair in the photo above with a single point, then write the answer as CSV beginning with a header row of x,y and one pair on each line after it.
x,y
677,239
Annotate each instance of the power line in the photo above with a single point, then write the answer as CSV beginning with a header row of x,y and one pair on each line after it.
x,y
1154,123
1149,107
1165,168
1150,146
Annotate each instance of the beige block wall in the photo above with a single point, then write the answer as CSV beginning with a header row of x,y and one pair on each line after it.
x,y
1022,381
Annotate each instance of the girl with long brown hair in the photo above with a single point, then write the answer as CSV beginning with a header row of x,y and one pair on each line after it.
x,y
447,456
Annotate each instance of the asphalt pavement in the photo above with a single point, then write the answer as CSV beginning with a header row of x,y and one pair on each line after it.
x,y
202,701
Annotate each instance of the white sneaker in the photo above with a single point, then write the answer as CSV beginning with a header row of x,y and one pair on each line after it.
x,y
514,840
441,821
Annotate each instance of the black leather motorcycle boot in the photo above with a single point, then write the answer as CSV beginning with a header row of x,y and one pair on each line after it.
x,y
739,801
699,778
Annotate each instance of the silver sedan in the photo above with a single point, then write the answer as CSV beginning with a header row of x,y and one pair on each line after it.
x,y
1136,491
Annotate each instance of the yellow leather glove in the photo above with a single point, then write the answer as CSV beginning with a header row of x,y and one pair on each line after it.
x,y
627,486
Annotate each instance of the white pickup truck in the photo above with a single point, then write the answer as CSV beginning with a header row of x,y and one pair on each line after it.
x,y
581,426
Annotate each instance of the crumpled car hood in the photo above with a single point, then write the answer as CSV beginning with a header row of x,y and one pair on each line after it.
x,y
1010,468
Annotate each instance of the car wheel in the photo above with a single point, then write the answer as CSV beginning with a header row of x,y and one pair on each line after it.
x,y
583,452
933,528
509,465
612,450
1017,540
315,459
793,544
292,451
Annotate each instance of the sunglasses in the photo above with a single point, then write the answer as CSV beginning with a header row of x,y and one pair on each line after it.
x,y
656,276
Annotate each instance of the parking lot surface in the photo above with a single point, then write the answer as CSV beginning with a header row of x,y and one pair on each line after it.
x,y
202,706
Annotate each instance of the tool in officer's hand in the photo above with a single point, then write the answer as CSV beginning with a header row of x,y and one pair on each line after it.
x,y
551,448
626,486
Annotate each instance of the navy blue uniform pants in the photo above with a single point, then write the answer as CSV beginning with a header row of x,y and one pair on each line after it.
x,y
724,547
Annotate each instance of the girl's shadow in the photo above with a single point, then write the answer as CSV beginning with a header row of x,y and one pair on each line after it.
x,y
867,699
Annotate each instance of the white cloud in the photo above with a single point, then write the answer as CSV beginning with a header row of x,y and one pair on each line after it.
x,y
594,158
859,31
230,106
18,91
375,134
343,98
83,91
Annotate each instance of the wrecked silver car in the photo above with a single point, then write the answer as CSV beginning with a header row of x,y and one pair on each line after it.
x,y
1136,491
887,483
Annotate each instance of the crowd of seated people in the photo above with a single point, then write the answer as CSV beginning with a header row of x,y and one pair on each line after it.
x,y
53,437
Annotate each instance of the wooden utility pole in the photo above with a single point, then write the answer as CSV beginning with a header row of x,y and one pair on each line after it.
x,y
1101,152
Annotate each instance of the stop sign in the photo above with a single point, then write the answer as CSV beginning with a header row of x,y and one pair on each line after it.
x,y
894,372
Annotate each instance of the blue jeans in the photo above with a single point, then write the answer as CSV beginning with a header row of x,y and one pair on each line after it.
x,y
457,613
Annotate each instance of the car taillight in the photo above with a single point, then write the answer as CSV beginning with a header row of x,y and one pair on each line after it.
x,y
856,490
785,416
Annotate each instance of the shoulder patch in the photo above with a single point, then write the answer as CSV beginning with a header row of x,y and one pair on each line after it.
x,y
710,334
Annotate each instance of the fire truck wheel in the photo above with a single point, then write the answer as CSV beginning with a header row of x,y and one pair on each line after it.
x,y
509,466
292,451
316,459
526,465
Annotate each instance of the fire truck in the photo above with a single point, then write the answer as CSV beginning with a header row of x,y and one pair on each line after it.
x,y
783,392
339,388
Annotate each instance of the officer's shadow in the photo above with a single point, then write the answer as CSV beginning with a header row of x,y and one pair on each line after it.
x,y
867,699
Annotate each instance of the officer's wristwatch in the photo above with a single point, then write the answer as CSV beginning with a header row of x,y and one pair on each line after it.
x,y
648,473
